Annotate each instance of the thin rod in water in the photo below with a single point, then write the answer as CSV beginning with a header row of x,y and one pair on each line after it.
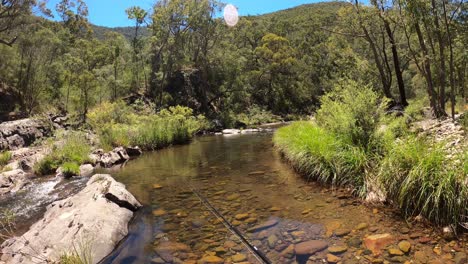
x,y
254,250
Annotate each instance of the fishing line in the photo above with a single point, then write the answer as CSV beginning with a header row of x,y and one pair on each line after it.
x,y
254,250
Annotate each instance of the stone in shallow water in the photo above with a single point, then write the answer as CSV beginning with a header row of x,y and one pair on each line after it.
x,y
310,247
342,232
241,216
211,260
159,212
376,243
232,197
254,173
404,246
337,249
272,241
288,252
332,258
395,252
267,224
362,226
239,258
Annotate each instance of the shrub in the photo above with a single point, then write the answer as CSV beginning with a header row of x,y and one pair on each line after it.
x,y
5,157
74,149
351,111
113,113
174,125
415,109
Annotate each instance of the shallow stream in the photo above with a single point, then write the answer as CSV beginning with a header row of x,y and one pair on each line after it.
x,y
245,180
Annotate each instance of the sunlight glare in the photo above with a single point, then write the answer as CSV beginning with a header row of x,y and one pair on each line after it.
x,y
231,16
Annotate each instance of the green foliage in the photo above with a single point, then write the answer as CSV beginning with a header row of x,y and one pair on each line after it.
x,y
70,169
113,113
72,150
421,179
257,116
464,121
321,155
5,157
351,111
174,125
353,142
415,110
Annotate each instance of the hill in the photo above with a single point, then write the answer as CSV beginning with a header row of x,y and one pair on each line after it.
x,y
127,32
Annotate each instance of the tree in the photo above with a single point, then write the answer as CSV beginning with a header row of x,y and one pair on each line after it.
x,y
12,17
139,15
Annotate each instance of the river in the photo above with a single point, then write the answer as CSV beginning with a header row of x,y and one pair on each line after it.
x,y
245,180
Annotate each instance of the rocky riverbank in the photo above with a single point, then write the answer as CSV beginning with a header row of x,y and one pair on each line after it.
x,y
91,222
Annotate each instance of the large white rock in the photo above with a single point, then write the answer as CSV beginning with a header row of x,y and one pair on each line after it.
x,y
93,220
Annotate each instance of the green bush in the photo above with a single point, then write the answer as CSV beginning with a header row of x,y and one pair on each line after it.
x,y
5,157
354,143
464,121
174,125
352,111
419,177
73,148
114,113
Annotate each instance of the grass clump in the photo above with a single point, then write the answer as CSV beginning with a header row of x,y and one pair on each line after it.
x,y
5,157
174,125
320,155
71,151
354,143
422,180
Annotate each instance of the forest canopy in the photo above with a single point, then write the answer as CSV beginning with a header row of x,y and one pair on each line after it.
x,y
182,53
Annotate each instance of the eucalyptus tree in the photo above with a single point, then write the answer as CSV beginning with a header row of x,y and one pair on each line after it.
x,y
139,15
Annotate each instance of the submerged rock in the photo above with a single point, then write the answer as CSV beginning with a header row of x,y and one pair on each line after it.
x,y
310,247
376,243
94,219
267,224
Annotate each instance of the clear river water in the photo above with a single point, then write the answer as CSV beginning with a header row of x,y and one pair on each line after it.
x,y
246,181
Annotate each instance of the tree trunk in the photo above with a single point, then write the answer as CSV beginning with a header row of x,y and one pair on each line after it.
x,y
427,72
396,64
442,69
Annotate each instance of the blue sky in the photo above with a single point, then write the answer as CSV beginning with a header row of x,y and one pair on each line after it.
x,y
111,13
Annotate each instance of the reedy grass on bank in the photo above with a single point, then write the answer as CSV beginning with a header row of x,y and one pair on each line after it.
x,y
353,143
119,125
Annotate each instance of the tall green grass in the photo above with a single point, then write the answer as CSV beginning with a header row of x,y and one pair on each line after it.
x,y
5,157
175,125
355,144
72,151
421,179
320,155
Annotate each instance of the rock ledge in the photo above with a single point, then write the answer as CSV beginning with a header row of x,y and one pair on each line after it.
x,y
96,219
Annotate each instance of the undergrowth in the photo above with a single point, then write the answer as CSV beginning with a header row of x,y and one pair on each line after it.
x,y
353,141
5,157
70,151
120,125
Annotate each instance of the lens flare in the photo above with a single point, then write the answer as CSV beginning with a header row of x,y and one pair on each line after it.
x,y
231,16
